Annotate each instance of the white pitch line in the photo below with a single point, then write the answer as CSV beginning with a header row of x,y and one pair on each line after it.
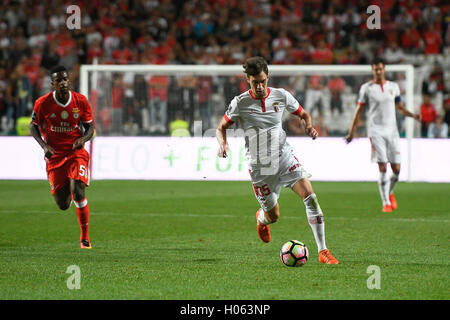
x,y
200,215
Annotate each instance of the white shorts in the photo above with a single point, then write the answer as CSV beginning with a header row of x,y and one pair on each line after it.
x,y
385,149
268,187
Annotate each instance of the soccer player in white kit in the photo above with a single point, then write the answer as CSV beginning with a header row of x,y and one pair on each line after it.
x,y
272,164
382,97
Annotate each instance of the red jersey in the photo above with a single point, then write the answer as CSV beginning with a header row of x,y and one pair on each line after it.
x,y
158,87
428,112
61,124
433,41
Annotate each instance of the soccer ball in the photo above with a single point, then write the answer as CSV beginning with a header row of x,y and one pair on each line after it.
x,y
294,253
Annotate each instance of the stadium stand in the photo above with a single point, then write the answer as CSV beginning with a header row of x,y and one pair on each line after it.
x,y
34,37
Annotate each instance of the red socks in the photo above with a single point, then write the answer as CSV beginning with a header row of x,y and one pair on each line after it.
x,y
82,208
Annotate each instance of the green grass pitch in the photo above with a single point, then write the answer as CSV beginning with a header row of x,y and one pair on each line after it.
x,y
175,240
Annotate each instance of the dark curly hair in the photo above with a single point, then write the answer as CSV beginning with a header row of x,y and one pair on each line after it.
x,y
378,60
254,65
58,69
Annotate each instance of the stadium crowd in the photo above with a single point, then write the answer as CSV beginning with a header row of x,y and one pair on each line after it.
x,y
34,37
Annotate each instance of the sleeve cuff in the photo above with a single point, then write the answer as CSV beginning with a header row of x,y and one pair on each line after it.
x,y
299,110
228,120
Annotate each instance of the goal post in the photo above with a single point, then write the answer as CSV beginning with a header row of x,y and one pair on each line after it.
x,y
91,81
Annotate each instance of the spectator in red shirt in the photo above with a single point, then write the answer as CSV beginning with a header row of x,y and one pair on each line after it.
x,y
123,54
410,39
322,55
336,85
432,39
204,85
277,9
428,114
95,50
413,8
300,53
117,99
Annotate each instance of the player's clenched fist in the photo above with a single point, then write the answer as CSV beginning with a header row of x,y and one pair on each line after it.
x,y
78,144
349,138
48,151
223,151
312,132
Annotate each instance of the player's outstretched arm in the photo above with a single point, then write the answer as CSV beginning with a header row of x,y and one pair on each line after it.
x,y
36,133
307,121
356,116
221,135
399,105
88,133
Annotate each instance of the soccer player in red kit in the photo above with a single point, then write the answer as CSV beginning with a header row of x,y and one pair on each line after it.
x,y
62,123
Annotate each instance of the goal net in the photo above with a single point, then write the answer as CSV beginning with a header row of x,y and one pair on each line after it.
x,y
162,100
145,99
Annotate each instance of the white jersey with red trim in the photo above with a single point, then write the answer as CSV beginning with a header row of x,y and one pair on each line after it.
x,y
381,99
261,120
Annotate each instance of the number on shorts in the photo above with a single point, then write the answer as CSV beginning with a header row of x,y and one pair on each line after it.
x,y
262,191
83,171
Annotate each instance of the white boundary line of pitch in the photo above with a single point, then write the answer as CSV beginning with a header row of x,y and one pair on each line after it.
x,y
229,216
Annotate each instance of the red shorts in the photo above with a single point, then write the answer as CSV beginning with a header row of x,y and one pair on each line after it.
x,y
76,168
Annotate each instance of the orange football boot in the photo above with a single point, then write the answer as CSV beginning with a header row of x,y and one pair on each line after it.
x,y
393,201
326,257
387,208
263,229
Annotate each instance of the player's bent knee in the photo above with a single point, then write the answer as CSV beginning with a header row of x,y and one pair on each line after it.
x,y
63,205
63,198
396,170
307,194
78,190
78,195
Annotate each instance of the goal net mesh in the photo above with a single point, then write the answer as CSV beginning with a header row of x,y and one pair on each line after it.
x,y
144,100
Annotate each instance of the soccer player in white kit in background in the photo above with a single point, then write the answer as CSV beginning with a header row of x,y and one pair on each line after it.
x,y
272,164
382,97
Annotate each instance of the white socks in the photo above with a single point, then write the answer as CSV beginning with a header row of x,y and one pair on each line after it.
x,y
393,182
262,217
383,187
315,219
386,187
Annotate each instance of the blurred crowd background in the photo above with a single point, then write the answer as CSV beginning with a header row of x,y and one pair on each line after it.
x,y
34,37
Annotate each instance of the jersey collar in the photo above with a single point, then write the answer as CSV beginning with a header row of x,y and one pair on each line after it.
x,y
59,103
381,84
251,94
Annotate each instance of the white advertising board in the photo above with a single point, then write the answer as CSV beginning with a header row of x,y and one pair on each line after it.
x,y
165,158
